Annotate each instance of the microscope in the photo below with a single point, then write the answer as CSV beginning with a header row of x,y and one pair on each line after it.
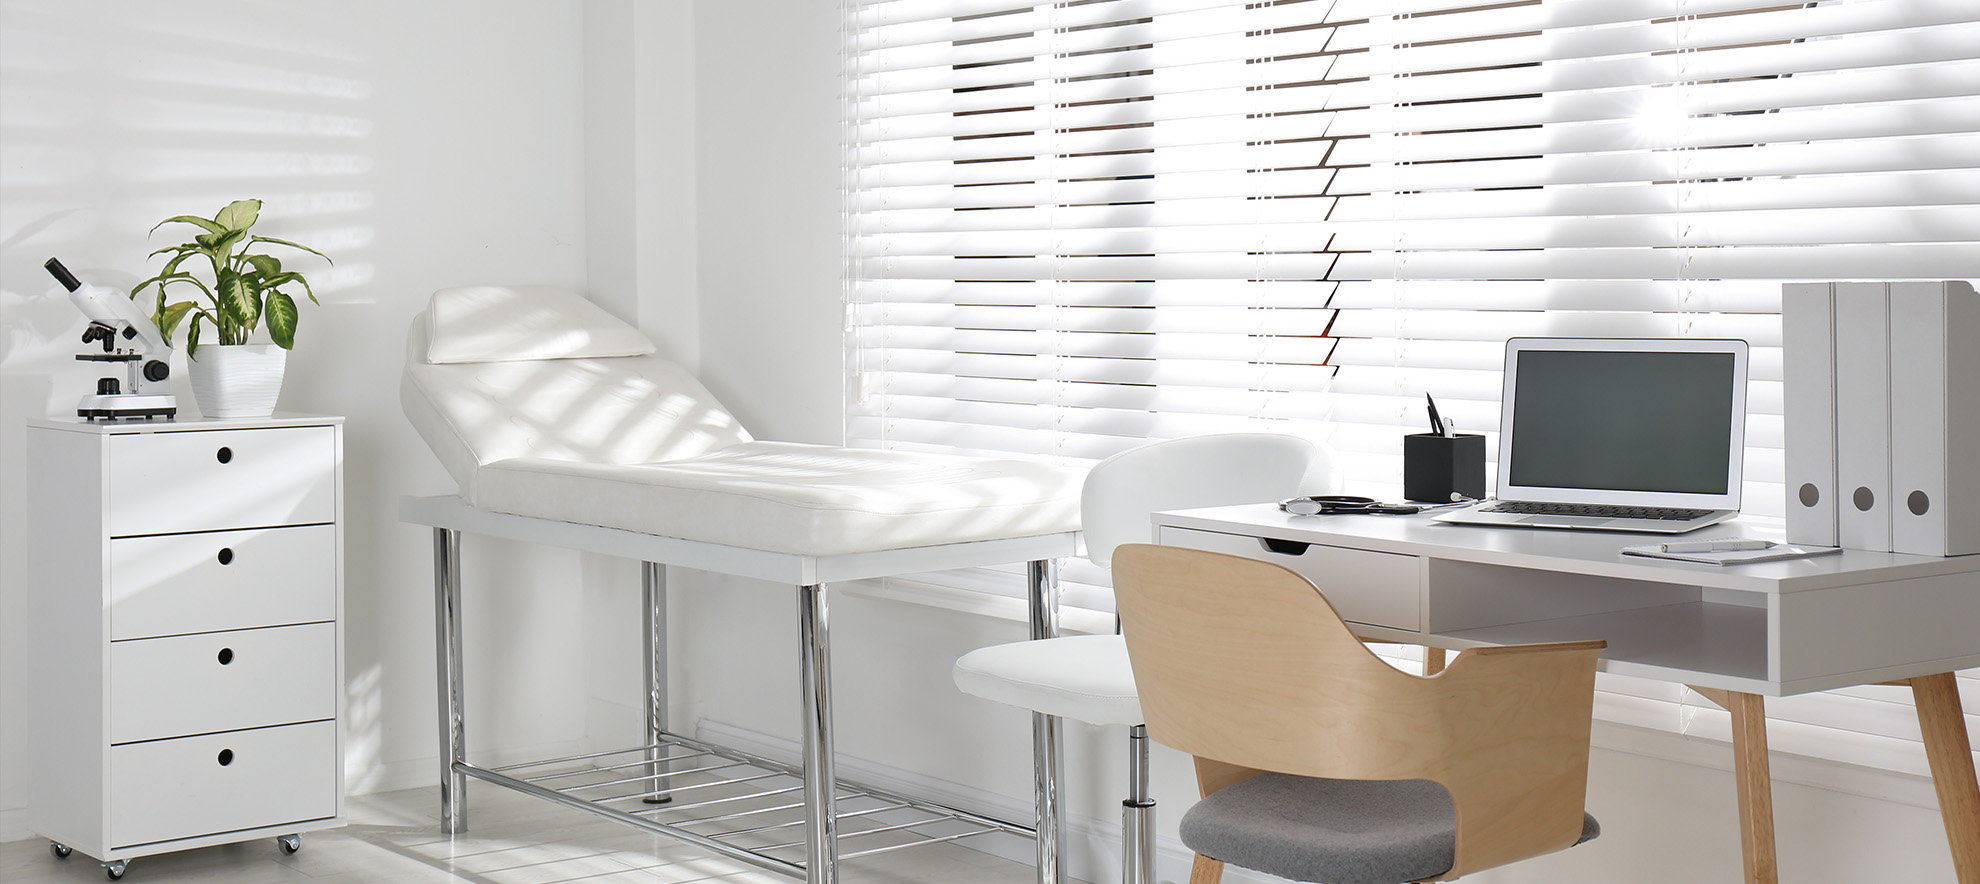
x,y
116,321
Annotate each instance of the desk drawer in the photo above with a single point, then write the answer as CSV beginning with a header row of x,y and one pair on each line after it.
x,y
181,583
1379,589
204,785
220,681
162,483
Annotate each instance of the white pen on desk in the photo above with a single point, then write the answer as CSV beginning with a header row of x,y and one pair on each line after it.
x,y
1729,545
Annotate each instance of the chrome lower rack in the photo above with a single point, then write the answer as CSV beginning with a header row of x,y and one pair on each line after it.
x,y
733,803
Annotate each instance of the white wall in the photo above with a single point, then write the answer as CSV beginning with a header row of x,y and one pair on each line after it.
x,y
420,145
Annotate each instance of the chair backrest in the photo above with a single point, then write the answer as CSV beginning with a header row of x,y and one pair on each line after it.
x,y
1195,471
1245,665
496,372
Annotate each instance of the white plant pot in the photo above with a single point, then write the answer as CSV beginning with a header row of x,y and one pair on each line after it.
x,y
237,380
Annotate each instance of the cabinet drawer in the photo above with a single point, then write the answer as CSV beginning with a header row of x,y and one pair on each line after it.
x,y
180,583
203,785
162,483
219,681
1379,589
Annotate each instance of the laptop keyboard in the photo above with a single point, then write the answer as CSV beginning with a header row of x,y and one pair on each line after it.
x,y
1594,510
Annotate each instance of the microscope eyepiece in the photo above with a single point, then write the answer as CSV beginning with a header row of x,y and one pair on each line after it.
x,y
62,274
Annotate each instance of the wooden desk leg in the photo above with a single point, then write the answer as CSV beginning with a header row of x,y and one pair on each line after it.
x,y
1947,749
1755,778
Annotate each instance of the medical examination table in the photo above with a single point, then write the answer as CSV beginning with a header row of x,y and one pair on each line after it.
x,y
561,427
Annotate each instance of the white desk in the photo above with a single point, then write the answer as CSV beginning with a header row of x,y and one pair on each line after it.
x,y
1735,633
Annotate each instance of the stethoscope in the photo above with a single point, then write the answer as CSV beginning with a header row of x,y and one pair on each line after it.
x,y
1347,505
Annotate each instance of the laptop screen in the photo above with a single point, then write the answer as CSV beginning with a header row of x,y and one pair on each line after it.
x,y
1628,421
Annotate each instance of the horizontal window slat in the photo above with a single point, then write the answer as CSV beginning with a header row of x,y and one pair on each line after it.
x,y
1182,292
1203,372
1238,320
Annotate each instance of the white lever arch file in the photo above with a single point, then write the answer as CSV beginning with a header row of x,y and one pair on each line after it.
x,y
1935,418
1863,416
1808,366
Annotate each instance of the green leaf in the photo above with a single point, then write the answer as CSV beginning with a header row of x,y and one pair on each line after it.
x,y
165,279
223,246
239,215
281,314
267,265
209,226
192,335
290,276
284,242
183,249
171,316
238,302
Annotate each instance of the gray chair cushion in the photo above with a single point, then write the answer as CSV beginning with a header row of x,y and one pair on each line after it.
x,y
1332,831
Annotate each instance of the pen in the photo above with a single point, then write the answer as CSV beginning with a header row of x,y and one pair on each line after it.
x,y
1437,427
1729,545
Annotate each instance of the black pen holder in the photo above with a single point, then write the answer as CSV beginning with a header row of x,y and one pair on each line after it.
x,y
1441,469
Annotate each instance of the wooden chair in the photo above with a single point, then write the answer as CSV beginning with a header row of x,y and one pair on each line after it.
x,y
1317,761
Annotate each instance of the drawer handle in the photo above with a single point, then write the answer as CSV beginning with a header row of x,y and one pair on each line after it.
x,y
226,757
1285,547
225,656
224,455
226,555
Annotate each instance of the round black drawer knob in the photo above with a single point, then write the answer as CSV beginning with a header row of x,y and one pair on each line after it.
x,y
224,455
226,555
225,656
226,757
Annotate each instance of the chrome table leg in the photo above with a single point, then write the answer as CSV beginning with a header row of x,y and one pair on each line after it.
x,y
447,622
821,836
1047,755
653,603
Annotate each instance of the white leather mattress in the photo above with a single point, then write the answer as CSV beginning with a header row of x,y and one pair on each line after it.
x,y
589,427
798,499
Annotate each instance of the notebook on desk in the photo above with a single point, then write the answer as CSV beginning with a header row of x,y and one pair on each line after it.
x,y
1618,435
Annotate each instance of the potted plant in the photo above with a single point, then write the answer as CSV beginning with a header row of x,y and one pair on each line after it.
x,y
231,377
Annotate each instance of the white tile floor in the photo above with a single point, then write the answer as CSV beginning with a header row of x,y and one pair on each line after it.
x,y
394,838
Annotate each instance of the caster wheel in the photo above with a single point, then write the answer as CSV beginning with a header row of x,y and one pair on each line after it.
x,y
115,869
290,843
59,850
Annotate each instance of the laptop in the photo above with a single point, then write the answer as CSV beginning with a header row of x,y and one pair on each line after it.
x,y
1618,434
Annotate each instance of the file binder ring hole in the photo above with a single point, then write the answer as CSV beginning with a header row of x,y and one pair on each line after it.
x,y
1810,495
1864,499
1918,502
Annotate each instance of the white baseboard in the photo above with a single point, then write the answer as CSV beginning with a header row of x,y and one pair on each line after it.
x,y
415,773
13,824
1818,773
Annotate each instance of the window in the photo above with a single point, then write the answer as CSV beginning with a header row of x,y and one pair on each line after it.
x,y
1076,225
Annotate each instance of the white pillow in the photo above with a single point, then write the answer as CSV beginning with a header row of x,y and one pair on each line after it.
x,y
489,323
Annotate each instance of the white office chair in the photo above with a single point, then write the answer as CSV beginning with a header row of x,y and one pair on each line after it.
x,y
1087,677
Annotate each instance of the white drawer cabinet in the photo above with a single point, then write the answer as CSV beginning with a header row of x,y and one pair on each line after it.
x,y
187,596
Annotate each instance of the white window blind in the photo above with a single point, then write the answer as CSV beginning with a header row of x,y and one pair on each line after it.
x,y
1077,225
